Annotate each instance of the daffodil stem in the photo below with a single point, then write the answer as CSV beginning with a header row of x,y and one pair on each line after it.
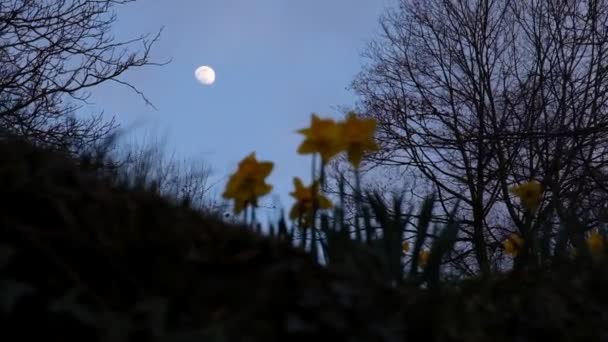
x,y
302,233
316,204
527,254
532,237
313,246
314,168
252,217
357,204
314,200
322,179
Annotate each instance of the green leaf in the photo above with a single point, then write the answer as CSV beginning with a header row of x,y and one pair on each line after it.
x,y
367,221
379,209
387,225
342,194
443,245
395,241
282,226
424,220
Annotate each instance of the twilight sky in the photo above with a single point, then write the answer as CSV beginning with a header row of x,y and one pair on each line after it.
x,y
276,61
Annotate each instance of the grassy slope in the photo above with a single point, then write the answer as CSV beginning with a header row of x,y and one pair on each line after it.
x,y
71,229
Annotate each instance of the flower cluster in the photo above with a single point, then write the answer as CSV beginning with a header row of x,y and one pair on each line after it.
x,y
306,197
596,244
325,137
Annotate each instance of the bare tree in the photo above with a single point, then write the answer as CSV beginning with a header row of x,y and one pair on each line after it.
x,y
51,53
477,95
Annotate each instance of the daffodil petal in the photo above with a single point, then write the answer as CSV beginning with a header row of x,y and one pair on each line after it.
x,y
265,169
307,147
297,183
262,189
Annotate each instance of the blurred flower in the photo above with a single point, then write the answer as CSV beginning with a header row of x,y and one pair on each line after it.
x,y
247,184
423,257
596,243
358,137
530,194
303,208
405,246
323,137
513,245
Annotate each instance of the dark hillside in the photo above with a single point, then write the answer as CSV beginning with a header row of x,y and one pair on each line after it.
x,y
84,259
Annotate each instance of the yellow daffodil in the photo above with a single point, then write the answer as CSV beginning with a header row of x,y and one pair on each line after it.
x,y
405,246
358,137
423,257
513,245
303,208
530,194
596,244
323,137
248,183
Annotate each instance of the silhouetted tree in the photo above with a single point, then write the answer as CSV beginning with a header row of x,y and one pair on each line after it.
x,y
474,96
51,53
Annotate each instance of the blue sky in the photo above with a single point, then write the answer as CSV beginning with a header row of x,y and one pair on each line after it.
x,y
276,61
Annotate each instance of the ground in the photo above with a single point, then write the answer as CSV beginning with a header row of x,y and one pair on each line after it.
x,y
84,257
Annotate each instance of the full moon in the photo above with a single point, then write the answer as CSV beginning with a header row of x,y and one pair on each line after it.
x,y
205,75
